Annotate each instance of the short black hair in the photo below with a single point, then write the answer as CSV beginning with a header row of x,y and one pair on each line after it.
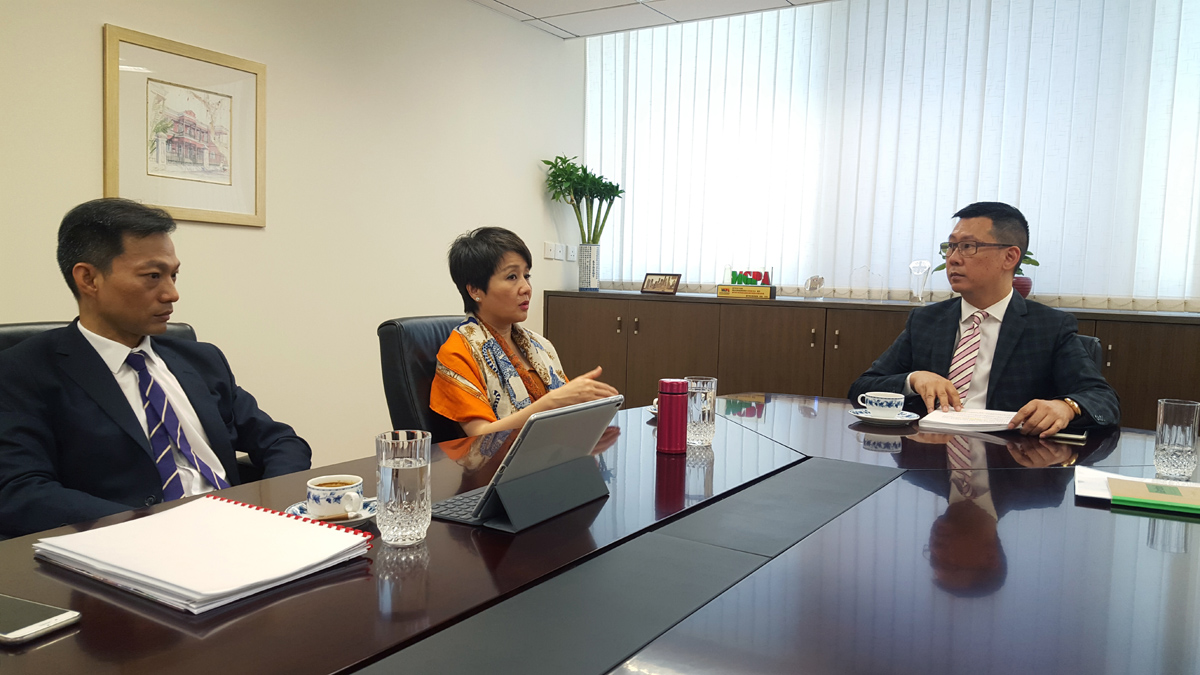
x,y
474,257
1008,224
94,233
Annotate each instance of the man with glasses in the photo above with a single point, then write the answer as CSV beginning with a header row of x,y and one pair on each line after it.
x,y
991,348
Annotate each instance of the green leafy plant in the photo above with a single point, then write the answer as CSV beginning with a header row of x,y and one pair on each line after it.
x,y
590,195
1026,259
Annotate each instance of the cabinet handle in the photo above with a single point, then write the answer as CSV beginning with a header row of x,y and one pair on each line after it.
x,y
618,325
836,338
1108,363
812,339
635,325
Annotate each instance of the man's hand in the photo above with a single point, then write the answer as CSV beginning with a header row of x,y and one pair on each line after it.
x,y
1042,418
935,389
1036,453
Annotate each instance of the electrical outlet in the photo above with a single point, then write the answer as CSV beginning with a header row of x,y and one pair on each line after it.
x,y
572,253
560,251
549,250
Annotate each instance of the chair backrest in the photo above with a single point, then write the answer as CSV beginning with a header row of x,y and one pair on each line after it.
x,y
1092,347
408,354
14,333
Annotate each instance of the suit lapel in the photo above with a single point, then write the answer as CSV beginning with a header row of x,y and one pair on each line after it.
x,y
203,402
79,360
946,337
1010,333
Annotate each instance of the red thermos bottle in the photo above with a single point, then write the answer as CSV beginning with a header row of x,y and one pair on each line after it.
x,y
672,416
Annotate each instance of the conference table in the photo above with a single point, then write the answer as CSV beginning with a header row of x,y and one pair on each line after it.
x,y
801,540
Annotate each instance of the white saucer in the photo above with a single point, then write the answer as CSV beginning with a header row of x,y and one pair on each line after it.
x,y
654,410
368,512
903,418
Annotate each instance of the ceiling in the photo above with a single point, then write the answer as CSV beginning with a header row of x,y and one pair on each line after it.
x,y
579,18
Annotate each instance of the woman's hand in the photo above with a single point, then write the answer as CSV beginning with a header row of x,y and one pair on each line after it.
x,y
579,390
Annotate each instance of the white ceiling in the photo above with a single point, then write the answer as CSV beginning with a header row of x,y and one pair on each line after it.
x,y
579,18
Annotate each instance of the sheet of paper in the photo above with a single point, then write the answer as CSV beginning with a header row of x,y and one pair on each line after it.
x,y
976,420
1094,483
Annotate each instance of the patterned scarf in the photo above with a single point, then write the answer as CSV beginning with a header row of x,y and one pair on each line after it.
x,y
507,392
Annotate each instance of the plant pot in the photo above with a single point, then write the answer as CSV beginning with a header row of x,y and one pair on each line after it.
x,y
589,267
1023,285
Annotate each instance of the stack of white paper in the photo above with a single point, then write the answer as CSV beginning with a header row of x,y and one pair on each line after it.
x,y
966,420
206,553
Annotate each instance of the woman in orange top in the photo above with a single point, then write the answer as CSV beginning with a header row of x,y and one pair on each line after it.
x,y
491,373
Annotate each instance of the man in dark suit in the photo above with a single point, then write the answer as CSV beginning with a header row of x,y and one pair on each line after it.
x,y
100,417
991,348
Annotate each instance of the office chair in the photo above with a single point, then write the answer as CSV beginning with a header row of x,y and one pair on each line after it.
x,y
14,333
1093,348
408,355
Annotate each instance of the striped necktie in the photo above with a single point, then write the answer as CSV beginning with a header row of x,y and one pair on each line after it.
x,y
958,455
165,432
963,364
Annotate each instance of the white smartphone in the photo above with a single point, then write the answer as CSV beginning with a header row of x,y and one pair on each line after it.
x,y
22,620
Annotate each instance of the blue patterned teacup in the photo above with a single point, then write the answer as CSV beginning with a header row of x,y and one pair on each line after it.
x,y
334,495
877,443
882,403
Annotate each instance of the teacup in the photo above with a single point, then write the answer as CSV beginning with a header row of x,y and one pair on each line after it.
x,y
878,443
334,495
882,403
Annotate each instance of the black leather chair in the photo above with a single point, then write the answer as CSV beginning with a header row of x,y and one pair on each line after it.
x,y
1093,348
408,354
14,333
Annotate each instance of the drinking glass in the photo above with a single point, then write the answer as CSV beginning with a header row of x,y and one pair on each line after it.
x,y
1175,438
702,410
404,508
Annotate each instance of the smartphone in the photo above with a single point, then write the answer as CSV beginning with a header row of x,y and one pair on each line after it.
x,y
22,620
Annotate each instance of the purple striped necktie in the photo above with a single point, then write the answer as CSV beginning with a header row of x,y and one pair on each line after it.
x,y
962,365
958,455
165,432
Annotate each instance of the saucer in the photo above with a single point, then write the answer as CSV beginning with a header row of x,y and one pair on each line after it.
x,y
904,418
368,512
654,410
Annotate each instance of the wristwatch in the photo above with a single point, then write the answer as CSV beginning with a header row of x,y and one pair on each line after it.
x,y
1074,406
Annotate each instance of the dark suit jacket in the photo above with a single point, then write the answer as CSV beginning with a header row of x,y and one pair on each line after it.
x,y
1037,356
71,448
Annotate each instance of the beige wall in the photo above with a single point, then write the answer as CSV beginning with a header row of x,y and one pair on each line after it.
x,y
392,126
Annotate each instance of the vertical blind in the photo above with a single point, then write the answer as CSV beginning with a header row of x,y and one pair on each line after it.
x,y
837,139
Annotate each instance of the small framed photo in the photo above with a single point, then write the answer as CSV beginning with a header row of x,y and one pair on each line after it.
x,y
663,284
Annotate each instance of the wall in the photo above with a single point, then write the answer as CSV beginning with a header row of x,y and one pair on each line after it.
x,y
392,126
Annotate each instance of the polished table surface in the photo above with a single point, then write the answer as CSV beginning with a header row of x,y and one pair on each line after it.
x,y
874,590
360,611
906,582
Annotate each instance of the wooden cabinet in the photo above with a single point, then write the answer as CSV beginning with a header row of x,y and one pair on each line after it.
x,y
636,342
821,347
775,349
1148,361
854,338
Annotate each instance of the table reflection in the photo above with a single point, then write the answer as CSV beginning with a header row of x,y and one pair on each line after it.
x,y
916,580
823,427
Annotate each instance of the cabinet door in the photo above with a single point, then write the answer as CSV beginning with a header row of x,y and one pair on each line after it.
x,y
1148,361
669,339
854,338
589,332
771,349
1087,327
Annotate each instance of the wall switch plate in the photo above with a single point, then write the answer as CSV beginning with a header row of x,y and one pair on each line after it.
x,y
560,251
572,253
549,250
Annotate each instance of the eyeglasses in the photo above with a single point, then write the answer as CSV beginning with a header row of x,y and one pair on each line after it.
x,y
967,248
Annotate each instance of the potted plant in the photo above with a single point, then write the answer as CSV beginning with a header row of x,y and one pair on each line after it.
x,y
1021,283
591,196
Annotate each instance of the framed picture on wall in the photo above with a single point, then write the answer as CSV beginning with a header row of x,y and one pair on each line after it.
x,y
184,129
663,284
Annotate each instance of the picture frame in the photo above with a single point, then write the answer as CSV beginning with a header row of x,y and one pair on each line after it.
x,y
661,284
184,129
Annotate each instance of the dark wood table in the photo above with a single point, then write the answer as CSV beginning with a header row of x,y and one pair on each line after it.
x,y
907,582
363,610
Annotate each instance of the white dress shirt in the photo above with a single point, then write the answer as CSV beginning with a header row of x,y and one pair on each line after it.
x,y
114,354
989,331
